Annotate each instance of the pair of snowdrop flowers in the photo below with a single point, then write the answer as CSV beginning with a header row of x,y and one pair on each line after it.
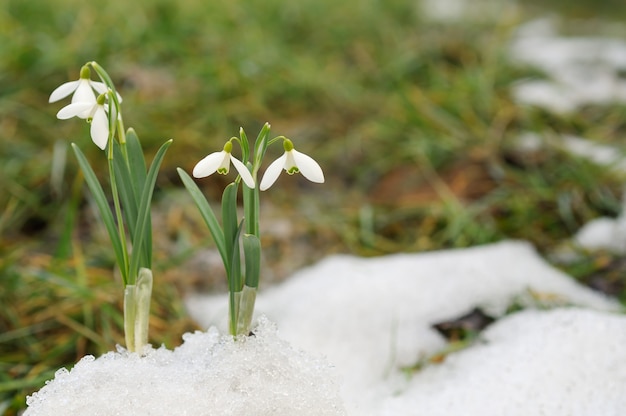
x,y
291,161
86,104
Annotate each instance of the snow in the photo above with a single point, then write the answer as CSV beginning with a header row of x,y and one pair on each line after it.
x,y
454,11
603,155
373,317
338,337
603,234
208,375
560,362
580,70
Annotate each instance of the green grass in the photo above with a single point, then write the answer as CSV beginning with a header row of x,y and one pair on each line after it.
x,y
411,119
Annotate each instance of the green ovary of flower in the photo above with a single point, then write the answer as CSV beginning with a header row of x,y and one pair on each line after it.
x,y
85,72
287,145
224,167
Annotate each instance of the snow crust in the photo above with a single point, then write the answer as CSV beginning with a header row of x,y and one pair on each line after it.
x,y
560,362
373,320
373,317
208,374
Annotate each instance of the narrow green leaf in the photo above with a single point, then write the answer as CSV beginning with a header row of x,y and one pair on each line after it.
x,y
252,258
143,213
103,208
251,209
136,161
260,145
245,145
206,212
235,283
229,222
138,177
128,197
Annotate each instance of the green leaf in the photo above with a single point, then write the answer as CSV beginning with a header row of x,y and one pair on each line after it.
x,y
143,212
103,208
206,212
138,177
229,224
136,162
260,145
129,198
252,253
235,284
245,145
251,209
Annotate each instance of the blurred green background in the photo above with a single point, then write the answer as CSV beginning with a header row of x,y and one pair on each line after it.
x,y
410,116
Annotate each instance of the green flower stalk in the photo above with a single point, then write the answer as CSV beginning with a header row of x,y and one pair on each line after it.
x,y
234,234
131,186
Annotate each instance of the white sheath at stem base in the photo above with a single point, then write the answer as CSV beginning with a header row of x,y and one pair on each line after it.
x,y
246,309
137,311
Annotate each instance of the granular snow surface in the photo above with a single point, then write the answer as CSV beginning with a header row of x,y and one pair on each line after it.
x,y
374,317
208,375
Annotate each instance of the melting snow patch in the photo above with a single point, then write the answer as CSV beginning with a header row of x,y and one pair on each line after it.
x,y
603,234
561,362
208,375
452,11
372,317
602,155
581,70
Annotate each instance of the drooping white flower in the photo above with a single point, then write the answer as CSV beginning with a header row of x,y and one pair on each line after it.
x,y
83,89
292,162
220,162
95,113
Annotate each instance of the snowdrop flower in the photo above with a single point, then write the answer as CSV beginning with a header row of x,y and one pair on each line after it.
x,y
83,89
95,113
220,162
292,162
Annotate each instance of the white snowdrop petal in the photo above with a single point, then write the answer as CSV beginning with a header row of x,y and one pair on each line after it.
x,y
308,167
63,91
290,162
272,172
84,93
100,87
74,110
100,128
209,164
245,174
